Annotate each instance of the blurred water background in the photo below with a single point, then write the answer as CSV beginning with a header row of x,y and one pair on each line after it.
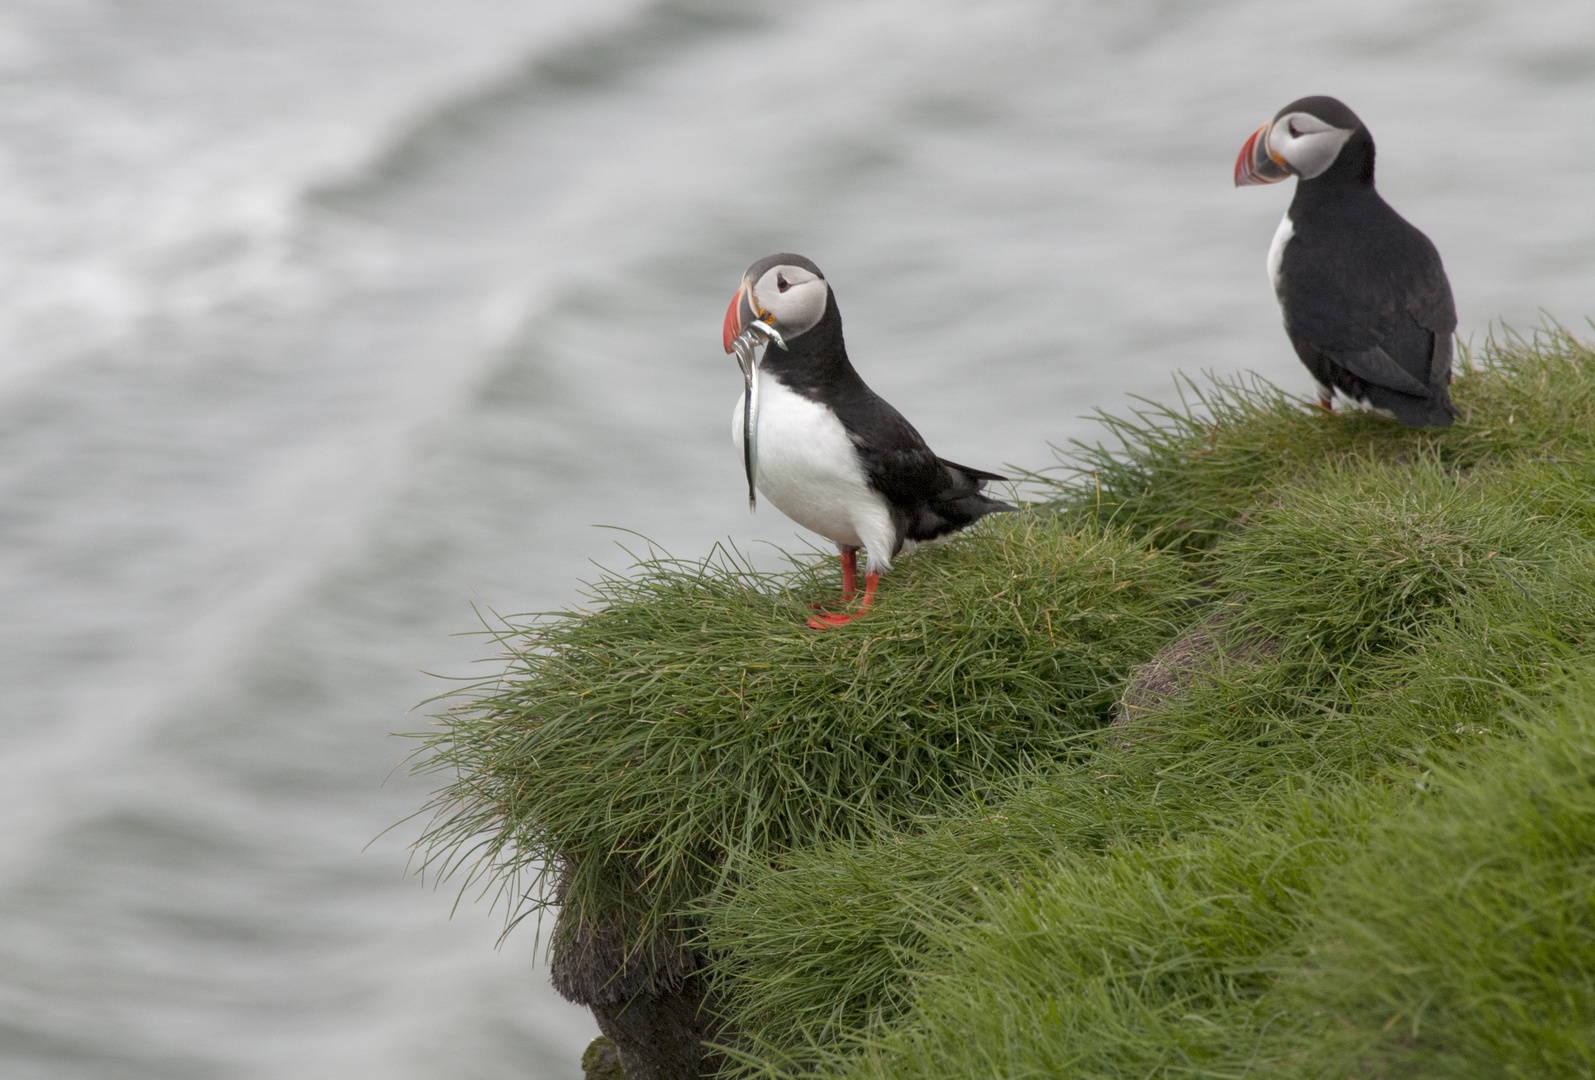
x,y
322,321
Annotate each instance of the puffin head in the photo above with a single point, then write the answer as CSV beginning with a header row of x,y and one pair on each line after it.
x,y
1304,139
785,292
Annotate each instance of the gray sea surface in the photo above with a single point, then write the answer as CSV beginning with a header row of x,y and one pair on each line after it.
x,y
327,324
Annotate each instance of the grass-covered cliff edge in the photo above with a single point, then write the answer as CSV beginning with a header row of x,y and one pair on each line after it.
x,y
1355,838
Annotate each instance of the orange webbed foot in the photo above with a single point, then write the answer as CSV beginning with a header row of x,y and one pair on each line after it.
x,y
828,620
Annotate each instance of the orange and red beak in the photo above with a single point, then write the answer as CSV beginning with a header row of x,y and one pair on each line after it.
x,y
1256,165
738,315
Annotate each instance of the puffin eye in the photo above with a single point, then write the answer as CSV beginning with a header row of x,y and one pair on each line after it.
x,y
781,283
1293,132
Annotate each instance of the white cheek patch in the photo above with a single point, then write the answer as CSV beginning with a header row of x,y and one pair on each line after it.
x,y
1313,150
800,307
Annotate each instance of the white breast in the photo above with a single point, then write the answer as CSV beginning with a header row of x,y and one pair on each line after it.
x,y
1276,254
810,471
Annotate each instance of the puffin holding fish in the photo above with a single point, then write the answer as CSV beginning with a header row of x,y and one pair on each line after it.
x,y
1365,298
822,446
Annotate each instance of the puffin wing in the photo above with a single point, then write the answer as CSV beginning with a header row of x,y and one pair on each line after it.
x,y
896,461
929,497
1431,306
1428,293
1378,367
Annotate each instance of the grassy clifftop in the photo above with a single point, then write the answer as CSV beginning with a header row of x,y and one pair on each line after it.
x,y
1357,839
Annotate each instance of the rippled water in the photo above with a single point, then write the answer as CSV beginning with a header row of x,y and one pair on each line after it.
x,y
322,321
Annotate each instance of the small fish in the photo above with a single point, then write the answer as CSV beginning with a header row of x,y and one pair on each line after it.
x,y
744,345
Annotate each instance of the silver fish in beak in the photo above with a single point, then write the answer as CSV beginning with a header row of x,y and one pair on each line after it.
x,y
745,345
744,331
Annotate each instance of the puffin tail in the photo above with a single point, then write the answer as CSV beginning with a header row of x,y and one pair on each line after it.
x,y
1416,412
975,477
957,506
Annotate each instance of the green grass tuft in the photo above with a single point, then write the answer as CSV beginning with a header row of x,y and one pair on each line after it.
x,y
1183,477
690,722
1439,929
1460,942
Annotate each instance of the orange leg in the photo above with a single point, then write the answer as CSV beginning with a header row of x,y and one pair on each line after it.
x,y
825,622
870,581
849,577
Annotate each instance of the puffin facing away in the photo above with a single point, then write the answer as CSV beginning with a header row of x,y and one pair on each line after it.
x,y
1366,301
822,446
